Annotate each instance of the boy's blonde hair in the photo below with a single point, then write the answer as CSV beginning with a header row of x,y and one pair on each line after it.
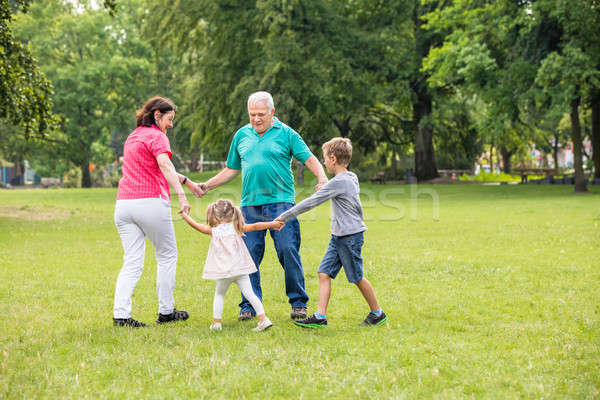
x,y
222,211
339,147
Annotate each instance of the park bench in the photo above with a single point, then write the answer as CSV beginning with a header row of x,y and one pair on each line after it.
x,y
379,178
453,173
525,172
49,182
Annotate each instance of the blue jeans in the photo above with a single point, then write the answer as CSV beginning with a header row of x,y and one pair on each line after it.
x,y
344,251
287,246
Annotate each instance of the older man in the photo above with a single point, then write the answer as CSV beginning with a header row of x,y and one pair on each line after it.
x,y
263,151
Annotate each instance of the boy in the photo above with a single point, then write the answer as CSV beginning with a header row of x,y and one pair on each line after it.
x,y
347,229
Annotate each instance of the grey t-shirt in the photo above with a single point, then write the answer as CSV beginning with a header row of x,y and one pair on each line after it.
x,y
346,209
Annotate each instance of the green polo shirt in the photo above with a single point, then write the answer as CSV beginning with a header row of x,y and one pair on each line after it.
x,y
266,163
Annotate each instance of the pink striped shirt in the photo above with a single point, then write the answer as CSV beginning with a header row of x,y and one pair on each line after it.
x,y
142,178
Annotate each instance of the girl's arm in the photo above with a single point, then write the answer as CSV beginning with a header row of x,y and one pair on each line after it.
x,y
199,227
260,226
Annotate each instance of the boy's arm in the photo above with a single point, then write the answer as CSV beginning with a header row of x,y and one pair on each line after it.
x,y
199,227
328,191
261,226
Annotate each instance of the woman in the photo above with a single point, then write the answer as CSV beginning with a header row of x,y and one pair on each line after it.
x,y
143,210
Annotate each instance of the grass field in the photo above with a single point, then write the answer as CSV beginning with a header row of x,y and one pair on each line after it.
x,y
490,291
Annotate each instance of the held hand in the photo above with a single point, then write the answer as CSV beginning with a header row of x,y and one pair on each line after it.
x,y
195,188
184,206
319,185
278,224
201,189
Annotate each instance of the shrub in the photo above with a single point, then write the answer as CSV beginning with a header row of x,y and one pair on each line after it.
x,y
72,178
490,177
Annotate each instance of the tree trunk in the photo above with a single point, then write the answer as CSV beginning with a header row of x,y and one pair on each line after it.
x,y
394,164
299,173
194,161
596,135
506,159
19,172
580,185
86,178
425,167
555,150
343,126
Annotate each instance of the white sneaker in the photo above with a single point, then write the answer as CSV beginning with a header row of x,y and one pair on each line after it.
x,y
216,326
265,324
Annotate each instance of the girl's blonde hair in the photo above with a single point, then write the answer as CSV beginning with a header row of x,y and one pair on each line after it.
x,y
222,211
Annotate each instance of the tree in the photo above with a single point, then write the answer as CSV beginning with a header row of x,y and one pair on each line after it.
x,y
571,74
99,68
320,60
507,52
25,100
488,55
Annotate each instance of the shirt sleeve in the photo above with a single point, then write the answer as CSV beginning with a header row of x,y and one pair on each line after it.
x,y
233,158
159,144
300,150
331,189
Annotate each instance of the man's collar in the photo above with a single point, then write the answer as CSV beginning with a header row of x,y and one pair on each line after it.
x,y
276,123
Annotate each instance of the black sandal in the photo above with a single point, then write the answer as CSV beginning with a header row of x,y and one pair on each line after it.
x,y
176,315
130,322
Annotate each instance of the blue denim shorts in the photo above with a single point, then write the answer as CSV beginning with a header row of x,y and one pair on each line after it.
x,y
344,251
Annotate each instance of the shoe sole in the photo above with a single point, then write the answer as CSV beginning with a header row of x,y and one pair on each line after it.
x,y
383,321
262,330
313,326
246,318
170,321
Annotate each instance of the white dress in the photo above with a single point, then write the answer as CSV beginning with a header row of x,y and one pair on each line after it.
x,y
227,255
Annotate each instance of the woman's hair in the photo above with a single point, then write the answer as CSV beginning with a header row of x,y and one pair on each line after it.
x,y
339,147
222,211
145,115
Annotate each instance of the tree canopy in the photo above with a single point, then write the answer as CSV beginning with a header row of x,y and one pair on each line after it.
x,y
429,81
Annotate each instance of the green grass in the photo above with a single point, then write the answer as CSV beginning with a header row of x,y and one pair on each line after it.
x,y
490,292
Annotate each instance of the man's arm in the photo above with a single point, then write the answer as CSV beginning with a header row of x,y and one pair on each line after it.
x,y
222,177
317,169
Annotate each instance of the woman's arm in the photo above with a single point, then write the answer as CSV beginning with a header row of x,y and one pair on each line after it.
x,y
168,170
190,184
260,226
199,227
222,177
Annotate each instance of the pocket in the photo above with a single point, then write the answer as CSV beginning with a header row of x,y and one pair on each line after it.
x,y
165,200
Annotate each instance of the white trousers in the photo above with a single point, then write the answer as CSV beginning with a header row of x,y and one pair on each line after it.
x,y
135,220
243,282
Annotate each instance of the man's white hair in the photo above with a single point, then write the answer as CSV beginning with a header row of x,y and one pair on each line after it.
x,y
261,97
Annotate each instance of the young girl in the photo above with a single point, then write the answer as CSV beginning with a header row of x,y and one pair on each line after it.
x,y
228,259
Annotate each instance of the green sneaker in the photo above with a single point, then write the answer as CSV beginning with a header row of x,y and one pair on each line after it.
x,y
373,319
312,322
